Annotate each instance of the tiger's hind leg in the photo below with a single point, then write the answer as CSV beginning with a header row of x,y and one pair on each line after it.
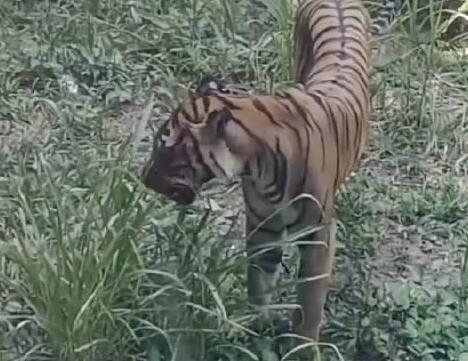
x,y
314,276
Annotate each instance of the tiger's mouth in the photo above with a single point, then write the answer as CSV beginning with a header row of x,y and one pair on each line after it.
x,y
181,193
178,191
178,186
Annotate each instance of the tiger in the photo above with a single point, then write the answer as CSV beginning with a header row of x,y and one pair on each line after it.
x,y
291,150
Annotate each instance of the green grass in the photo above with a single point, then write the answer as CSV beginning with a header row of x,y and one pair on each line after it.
x,y
95,267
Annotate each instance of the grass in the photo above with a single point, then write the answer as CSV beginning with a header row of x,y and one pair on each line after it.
x,y
95,267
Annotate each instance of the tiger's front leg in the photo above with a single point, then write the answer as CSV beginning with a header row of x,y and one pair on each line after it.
x,y
314,276
262,271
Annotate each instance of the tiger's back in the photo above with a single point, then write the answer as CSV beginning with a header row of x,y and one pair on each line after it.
x,y
334,70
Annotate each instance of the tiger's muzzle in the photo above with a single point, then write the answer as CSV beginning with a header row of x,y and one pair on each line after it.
x,y
164,175
172,185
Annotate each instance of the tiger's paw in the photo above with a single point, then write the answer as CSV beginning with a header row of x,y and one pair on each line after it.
x,y
284,338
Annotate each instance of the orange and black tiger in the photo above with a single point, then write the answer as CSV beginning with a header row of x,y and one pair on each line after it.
x,y
304,140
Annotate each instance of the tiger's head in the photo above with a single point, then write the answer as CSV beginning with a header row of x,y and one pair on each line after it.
x,y
204,141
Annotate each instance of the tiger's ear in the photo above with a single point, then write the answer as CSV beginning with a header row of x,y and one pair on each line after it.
x,y
209,84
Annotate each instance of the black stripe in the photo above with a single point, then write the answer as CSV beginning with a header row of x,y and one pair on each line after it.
x,y
318,126
199,157
347,104
358,30
322,17
206,103
345,121
280,175
195,110
330,116
351,82
228,103
258,164
250,210
305,169
295,131
360,53
357,8
257,103
344,75
299,143
351,93
309,120
284,104
360,19
216,163
300,11
324,69
341,54
247,130
326,42
357,124
325,203
327,6
275,169
300,110
323,32
337,143
186,116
